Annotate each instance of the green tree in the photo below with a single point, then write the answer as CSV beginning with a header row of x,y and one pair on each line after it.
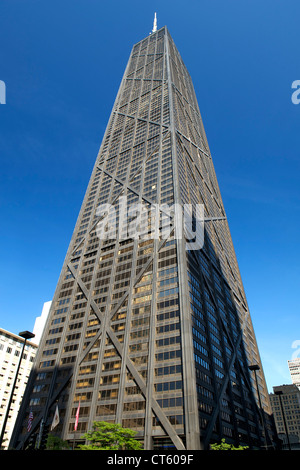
x,y
108,436
56,443
225,446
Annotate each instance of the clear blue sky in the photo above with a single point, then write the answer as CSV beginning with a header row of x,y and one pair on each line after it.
x,y
62,62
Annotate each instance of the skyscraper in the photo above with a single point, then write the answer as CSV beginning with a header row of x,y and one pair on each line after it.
x,y
147,328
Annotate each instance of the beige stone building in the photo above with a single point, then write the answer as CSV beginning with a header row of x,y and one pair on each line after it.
x,y
10,352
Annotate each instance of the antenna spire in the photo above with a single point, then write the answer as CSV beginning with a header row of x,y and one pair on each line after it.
x,y
154,24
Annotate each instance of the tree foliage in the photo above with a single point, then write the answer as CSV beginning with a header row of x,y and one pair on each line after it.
x,y
56,443
224,446
109,436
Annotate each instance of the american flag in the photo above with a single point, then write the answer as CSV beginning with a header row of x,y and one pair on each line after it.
x,y
30,419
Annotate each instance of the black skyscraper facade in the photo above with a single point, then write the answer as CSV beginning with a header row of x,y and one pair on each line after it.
x,y
149,331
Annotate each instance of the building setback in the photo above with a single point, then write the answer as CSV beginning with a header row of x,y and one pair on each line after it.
x,y
151,333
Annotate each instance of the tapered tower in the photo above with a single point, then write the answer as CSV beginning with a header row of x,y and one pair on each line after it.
x,y
148,328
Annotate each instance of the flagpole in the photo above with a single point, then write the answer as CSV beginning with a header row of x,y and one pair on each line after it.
x,y
40,434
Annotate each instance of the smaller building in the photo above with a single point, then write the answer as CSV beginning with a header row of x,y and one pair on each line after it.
x,y
10,350
285,403
294,367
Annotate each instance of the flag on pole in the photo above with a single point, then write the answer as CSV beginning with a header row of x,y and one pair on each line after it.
x,y
77,417
30,419
55,419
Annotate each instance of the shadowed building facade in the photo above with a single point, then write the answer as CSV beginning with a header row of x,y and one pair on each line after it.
x,y
144,331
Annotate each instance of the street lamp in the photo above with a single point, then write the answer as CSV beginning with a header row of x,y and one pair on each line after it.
x,y
279,393
26,335
254,368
